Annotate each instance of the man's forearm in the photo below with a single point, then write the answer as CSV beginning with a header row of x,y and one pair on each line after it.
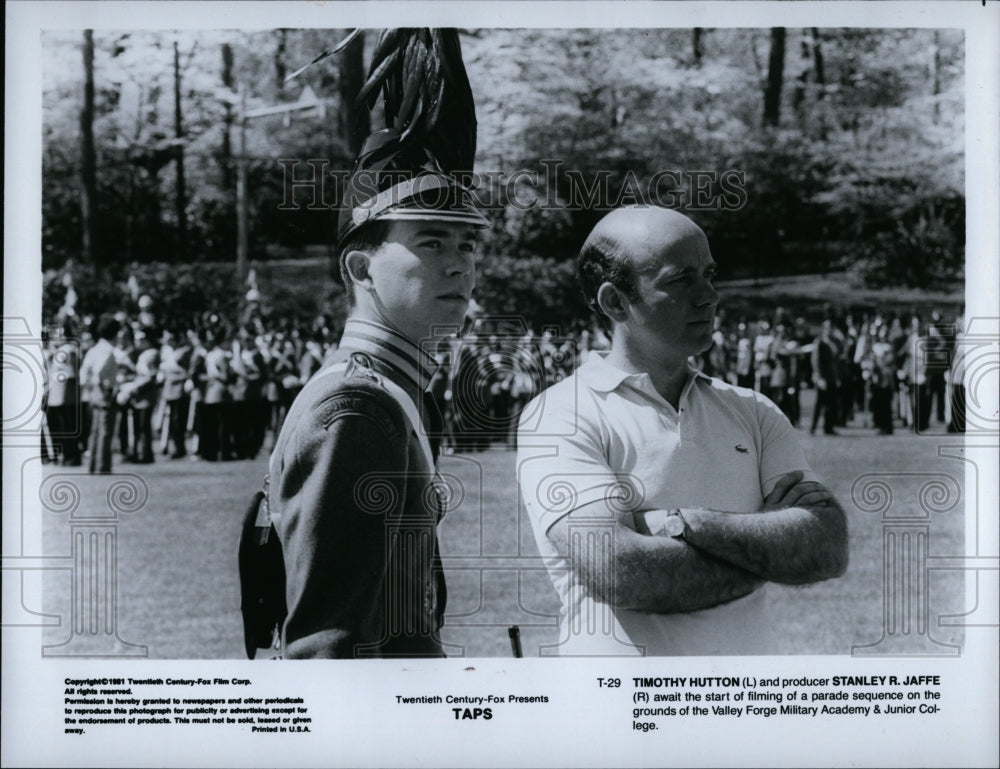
x,y
666,575
644,573
795,545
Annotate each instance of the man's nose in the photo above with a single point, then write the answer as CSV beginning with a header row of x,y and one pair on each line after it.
x,y
461,262
708,295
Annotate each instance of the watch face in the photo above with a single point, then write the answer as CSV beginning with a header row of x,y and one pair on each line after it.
x,y
673,526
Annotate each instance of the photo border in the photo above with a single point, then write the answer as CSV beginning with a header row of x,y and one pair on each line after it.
x,y
584,725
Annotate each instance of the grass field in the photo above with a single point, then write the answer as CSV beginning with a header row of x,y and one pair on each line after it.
x,y
177,590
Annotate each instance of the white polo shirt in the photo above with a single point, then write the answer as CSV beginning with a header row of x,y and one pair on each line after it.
x,y
605,434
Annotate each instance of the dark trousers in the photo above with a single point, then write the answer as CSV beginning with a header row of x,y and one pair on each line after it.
x,y
213,435
826,402
243,428
845,405
259,413
177,425
142,425
788,402
64,428
882,408
921,395
936,391
102,426
957,424
125,432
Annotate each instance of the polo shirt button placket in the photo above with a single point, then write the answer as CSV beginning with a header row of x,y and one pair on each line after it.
x,y
670,418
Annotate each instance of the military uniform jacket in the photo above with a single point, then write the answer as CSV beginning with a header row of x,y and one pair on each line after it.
x,y
353,498
176,361
99,375
218,376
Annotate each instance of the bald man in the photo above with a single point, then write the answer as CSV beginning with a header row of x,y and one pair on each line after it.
x,y
664,500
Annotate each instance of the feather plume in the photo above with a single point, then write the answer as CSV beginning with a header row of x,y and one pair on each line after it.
x,y
425,90
426,93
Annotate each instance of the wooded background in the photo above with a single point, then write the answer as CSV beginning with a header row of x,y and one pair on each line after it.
x,y
849,143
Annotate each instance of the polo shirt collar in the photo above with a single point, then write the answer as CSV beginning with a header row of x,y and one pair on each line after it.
x,y
390,347
601,376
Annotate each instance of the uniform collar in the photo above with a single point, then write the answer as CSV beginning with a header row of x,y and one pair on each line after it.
x,y
390,347
601,376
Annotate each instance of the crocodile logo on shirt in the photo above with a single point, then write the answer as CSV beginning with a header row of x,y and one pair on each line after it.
x,y
741,448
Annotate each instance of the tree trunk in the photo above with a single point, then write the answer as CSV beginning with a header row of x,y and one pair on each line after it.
x,y
226,161
818,64
353,120
88,156
280,70
799,94
775,76
130,220
227,226
696,51
242,205
180,198
936,74
155,251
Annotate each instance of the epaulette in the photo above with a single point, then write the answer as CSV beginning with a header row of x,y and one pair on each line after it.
x,y
360,374
361,366
357,387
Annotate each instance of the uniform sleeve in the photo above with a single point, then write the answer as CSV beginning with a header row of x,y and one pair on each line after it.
x,y
780,451
86,371
108,374
562,462
342,479
196,369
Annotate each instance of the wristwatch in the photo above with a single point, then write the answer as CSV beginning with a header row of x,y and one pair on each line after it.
x,y
673,524
667,523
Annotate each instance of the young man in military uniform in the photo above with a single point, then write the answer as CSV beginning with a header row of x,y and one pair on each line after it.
x,y
352,490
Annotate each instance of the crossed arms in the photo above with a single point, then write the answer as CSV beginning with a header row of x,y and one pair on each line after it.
x,y
800,536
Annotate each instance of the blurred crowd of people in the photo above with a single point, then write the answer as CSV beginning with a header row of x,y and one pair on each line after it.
x,y
488,375
886,370
217,389
210,389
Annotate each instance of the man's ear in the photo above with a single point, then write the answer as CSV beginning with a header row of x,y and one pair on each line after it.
x,y
356,263
613,302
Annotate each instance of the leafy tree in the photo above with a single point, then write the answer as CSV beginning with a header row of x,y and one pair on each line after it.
x,y
775,78
88,172
859,165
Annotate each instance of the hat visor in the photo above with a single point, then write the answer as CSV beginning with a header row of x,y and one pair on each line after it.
x,y
469,215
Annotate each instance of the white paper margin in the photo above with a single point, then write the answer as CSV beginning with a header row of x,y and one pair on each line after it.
x,y
351,702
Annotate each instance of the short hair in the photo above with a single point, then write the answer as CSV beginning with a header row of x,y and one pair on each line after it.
x,y
604,260
108,327
367,238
